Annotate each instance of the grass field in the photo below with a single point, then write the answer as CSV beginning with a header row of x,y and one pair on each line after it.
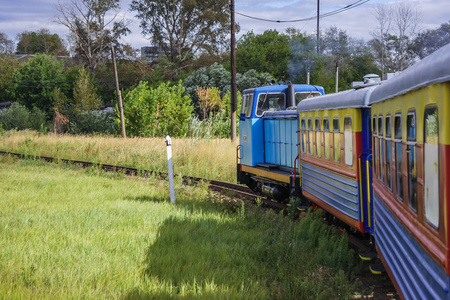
x,y
210,158
71,233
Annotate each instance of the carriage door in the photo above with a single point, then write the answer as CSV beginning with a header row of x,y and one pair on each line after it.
x,y
431,167
365,170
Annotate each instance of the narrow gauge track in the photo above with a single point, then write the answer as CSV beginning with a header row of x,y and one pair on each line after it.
x,y
228,188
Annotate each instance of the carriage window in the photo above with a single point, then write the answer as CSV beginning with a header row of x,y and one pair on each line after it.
x,y
269,102
304,136
310,137
318,138
411,160
327,137
247,104
348,141
398,155
301,96
388,152
336,140
380,147
431,167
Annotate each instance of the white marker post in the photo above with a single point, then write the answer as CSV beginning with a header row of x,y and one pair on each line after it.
x,y
170,168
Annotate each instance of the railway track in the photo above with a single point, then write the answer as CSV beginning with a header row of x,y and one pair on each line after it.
x,y
227,188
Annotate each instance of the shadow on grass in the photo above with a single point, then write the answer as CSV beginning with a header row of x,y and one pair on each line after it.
x,y
205,258
193,205
146,198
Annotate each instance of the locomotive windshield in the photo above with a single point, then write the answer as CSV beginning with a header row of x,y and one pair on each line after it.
x,y
247,104
302,96
269,102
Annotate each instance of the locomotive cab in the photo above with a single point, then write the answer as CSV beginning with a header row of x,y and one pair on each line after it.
x,y
268,126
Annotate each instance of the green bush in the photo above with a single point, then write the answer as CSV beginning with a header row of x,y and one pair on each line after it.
x,y
17,116
93,122
157,111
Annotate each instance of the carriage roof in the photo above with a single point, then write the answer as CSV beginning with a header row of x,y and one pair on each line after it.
x,y
430,70
354,98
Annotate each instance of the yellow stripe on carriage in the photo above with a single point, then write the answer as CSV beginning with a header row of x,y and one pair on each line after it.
x,y
360,191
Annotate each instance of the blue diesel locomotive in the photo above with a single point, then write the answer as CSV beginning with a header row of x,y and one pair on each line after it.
x,y
268,139
377,157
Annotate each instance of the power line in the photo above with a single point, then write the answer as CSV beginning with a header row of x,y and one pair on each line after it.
x,y
331,13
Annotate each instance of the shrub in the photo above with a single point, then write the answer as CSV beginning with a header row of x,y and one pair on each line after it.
x,y
18,117
94,122
157,111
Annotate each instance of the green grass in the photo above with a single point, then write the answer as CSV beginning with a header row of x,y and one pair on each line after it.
x,y
211,158
72,233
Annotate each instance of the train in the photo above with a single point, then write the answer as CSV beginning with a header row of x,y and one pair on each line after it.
x,y
375,157
268,144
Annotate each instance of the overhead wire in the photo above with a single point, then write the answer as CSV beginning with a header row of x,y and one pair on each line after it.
x,y
334,12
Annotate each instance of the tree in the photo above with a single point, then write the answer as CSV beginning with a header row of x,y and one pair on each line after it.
x,y
216,76
41,41
406,24
430,40
384,18
184,28
35,81
362,62
252,79
7,66
209,100
93,28
84,94
213,76
6,45
268,52
335,42
131,72
392,43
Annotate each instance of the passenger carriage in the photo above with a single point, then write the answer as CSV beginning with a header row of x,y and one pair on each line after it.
x,y
335,154
411,182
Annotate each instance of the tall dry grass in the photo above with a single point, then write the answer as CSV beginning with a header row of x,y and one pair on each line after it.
x,y
209,158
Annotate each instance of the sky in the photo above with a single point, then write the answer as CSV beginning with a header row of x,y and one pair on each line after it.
x,y
17,16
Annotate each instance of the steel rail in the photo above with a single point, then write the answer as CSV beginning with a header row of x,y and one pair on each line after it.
x,y
228,188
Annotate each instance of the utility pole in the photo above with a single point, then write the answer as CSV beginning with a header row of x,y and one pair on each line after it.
x,y
233,96
308,69
119,95
337,74
318,35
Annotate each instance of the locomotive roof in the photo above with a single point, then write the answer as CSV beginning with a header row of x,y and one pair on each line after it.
x,y
346,99
432,69
283,87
